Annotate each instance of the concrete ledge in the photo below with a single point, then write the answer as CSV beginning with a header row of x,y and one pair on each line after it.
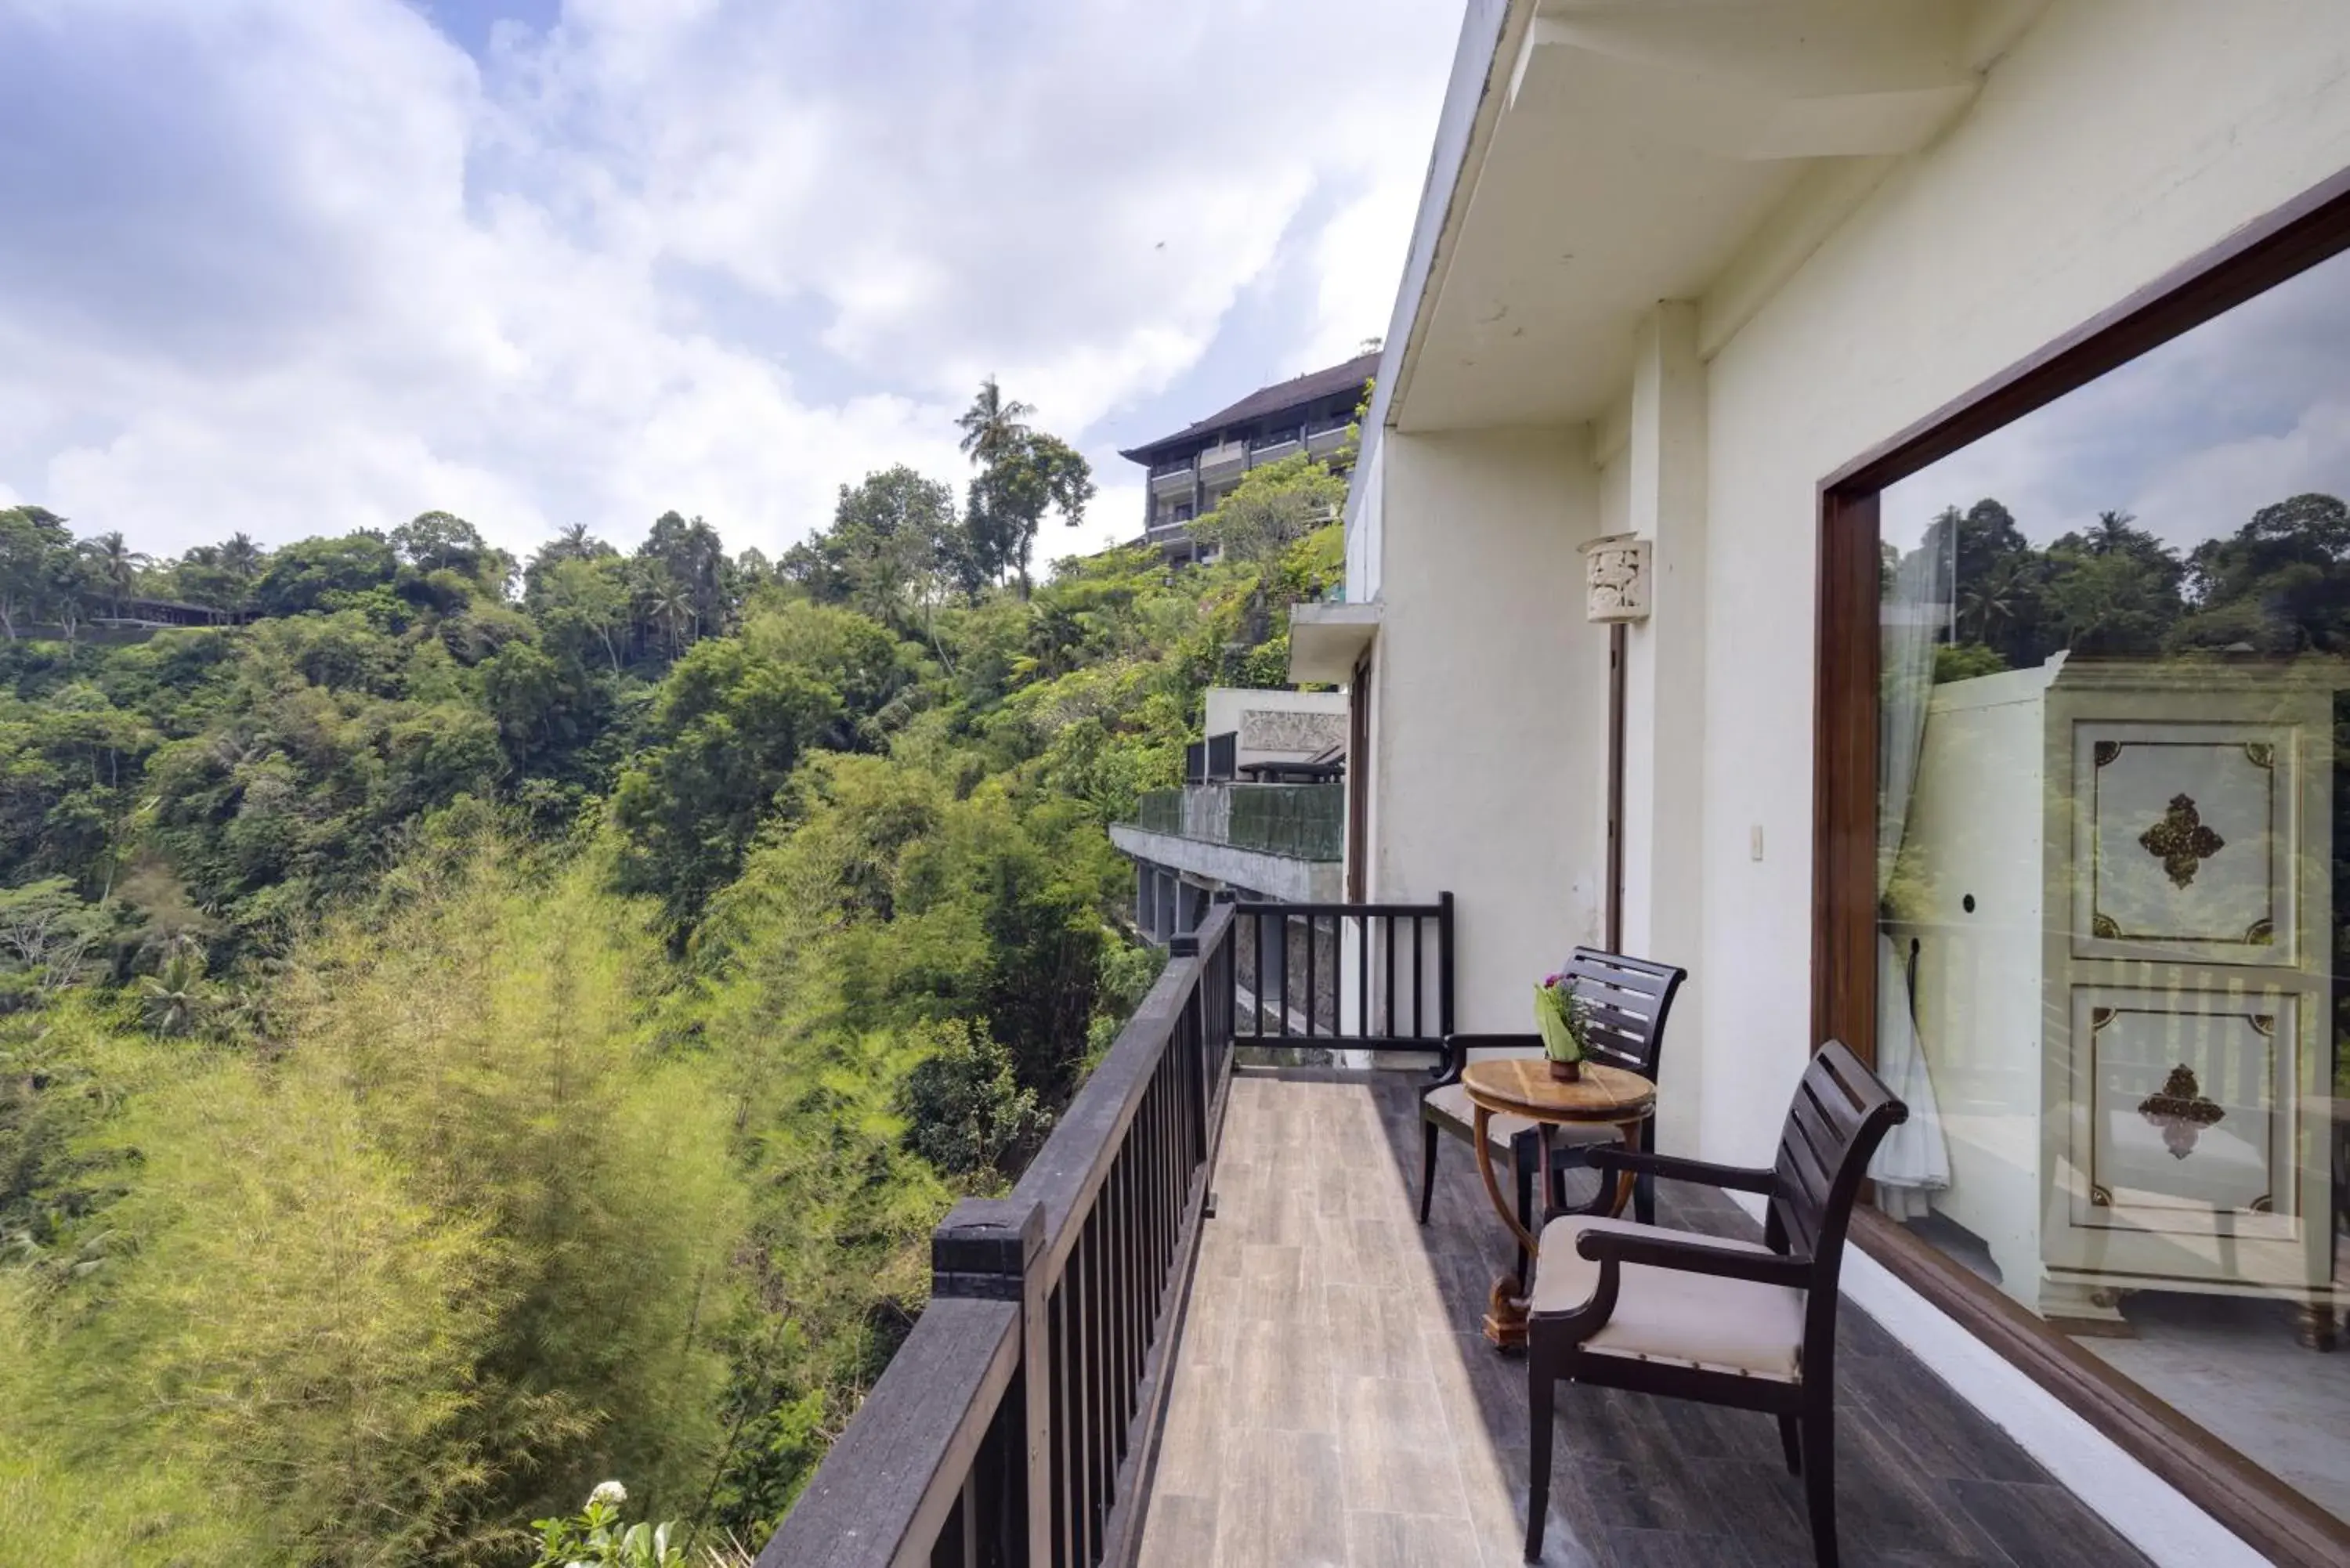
x,y
1325,640
1281,876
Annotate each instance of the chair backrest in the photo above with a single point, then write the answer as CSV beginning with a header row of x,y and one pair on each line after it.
x,y
1841,1112
1629,999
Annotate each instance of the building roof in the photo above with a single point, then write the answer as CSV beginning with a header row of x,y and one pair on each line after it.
x,y
1306,389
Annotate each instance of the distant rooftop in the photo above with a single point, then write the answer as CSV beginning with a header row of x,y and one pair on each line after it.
x,y
1306,389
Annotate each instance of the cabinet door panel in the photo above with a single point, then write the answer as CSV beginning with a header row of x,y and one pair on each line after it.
x,y
2186,1121
2185,837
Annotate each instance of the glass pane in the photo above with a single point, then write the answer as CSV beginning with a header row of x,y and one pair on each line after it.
x,y
2112,845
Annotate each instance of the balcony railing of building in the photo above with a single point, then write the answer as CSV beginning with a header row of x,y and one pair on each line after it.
x,y
1348,976
1019,1423
1303,821
1316,435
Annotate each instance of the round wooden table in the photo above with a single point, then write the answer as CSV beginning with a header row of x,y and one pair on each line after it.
x,y
1519,1085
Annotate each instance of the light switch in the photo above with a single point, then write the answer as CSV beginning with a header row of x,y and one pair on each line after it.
x,y
1754,841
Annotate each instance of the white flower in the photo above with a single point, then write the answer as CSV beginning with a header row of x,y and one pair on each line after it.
x,y
610,1491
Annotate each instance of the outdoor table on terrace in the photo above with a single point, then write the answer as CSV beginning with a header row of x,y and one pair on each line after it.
x,y
1519,1085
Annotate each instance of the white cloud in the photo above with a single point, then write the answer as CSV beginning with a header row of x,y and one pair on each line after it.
x,y
715,254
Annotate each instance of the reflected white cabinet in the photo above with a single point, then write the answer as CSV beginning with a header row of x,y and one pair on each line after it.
x,y
2115,890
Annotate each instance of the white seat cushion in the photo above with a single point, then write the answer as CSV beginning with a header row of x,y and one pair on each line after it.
x,y
1452,1102
1664,1314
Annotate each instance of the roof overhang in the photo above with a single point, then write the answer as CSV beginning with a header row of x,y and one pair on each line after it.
x,y
1612,153
1327,641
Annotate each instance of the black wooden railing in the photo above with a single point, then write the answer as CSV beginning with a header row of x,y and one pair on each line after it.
x,y
1370,976
1017,1424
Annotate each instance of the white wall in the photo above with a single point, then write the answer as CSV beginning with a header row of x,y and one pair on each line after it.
x,y
2114,140
1229,706
2117,139
1489,717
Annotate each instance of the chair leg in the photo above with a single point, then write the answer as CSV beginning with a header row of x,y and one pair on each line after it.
x,y
1526,1176
1542,1393
1790,1439
1644,1189
1428,1134
1819,1482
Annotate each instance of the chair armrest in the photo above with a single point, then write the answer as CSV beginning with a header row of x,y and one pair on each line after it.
x,y
1457,1046
1693,1256
1671,1167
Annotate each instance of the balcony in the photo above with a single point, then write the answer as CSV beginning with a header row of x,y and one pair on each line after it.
x,y
1302,822
1323,440
1175,480
1275,445
1223,464
1109,1374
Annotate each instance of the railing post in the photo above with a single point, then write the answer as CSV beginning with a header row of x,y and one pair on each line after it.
x,y
1190,1037
991,1247
1444,964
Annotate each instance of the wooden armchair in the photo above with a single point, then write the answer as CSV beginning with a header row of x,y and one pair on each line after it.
x,y
1619,1305
1629,999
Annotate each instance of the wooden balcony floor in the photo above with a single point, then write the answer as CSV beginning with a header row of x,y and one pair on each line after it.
x,y
1334,1403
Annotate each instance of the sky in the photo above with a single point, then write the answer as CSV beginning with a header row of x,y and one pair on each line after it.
x,y
2192,438
300,266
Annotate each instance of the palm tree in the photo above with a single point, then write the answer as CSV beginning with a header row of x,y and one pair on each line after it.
x,y
175,995
241,556
117,565
2112,533
572,542
1987,607
991,426
672,604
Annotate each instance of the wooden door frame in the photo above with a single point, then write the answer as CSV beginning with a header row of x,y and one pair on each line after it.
x,y
2270,1516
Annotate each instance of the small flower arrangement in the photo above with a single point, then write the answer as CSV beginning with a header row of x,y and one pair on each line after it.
x,y
1562,1016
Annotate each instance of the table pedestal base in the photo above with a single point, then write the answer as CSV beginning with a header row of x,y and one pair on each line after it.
x,y
1505,1314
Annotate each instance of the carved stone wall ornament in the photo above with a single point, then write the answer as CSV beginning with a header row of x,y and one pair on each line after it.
x,y
1290,730
2180,841
1616,578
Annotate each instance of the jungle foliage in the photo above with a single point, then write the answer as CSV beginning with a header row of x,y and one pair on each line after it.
x,y
472,1028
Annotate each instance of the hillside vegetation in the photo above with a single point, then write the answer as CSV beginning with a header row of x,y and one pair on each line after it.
x,y
478,1028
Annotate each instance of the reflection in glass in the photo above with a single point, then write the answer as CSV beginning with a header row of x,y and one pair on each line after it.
x,y
2111,849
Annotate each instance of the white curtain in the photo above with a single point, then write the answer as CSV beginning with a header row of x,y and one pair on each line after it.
x,y
1914,1160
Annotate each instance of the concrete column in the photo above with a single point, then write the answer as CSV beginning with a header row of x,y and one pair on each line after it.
x,y
1664,729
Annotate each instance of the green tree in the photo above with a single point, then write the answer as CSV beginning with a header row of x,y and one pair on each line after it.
x,y
2113,592
967,1113
1272,508
725,731
242,558
115,566
2280,584
175,998
319,573
458,1218
1022,475
687,559
992,427
33,542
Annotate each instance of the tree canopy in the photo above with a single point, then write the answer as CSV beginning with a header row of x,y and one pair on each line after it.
x,y
469,1029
